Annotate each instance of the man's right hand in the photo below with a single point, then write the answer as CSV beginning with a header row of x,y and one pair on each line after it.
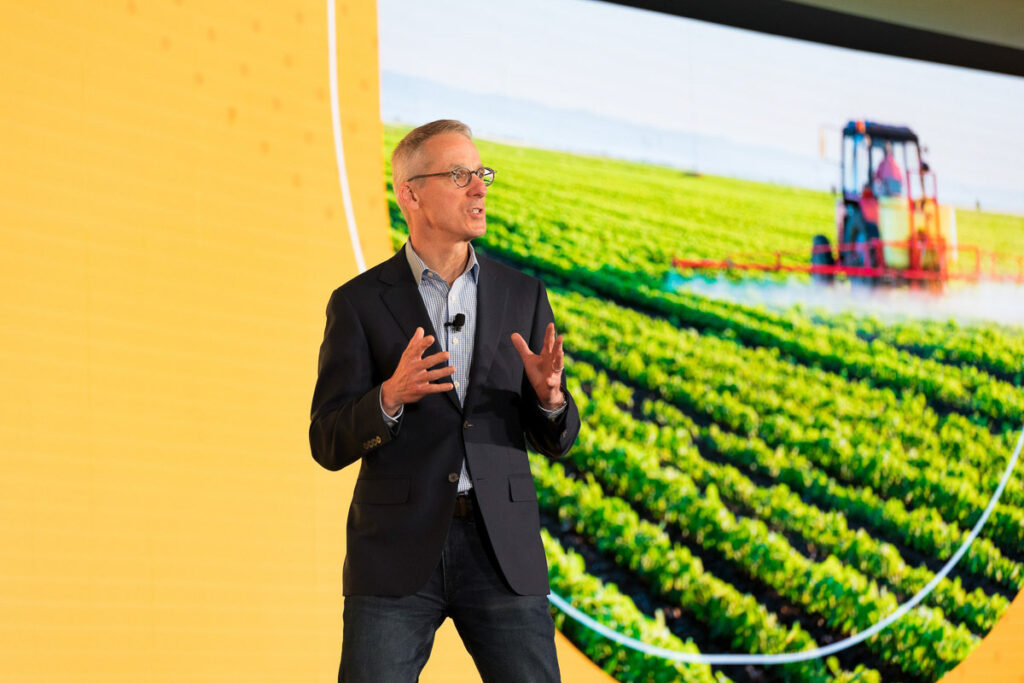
x,y
412,380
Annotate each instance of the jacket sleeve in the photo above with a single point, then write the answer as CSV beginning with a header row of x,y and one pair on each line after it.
x,y
552,437
346,418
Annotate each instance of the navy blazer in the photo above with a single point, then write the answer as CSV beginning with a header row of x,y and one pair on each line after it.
x,y
405,492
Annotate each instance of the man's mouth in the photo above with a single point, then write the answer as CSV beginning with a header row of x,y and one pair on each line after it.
x,y
478,211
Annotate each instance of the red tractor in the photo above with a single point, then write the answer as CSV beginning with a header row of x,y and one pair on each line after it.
x,y
889,224
890,227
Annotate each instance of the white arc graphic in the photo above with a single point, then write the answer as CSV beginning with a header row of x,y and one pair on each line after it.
x,y
339,148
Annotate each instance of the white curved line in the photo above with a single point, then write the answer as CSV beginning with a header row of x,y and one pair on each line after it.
x,y
789,657
339,148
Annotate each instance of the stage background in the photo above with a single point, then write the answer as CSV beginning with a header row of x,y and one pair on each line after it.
x,y
173,221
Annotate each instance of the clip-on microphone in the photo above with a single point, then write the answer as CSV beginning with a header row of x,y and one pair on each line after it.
x,y
458,322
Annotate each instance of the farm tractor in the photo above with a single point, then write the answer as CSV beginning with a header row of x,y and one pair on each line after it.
x,y
890,227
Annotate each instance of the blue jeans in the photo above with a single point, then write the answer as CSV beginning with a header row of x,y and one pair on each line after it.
x,y
511,637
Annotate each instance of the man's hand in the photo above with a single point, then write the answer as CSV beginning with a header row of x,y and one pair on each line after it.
x,y
412,380
544,369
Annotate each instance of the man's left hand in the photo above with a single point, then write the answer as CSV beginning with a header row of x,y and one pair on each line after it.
x,y
544,369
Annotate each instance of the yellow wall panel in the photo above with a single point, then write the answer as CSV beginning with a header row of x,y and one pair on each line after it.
x,y
172,225
999,658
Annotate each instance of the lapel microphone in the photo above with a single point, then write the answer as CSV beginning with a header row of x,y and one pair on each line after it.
x,y
458,322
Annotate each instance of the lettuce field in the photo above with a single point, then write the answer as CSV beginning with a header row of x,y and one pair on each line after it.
x,y
753,480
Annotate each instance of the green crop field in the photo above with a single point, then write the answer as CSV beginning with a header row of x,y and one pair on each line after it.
x,y
751,480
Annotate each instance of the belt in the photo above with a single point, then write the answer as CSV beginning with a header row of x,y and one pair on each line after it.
x,y
463,506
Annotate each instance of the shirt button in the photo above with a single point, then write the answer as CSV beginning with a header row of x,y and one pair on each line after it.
x,y
456,383
455,341
453,477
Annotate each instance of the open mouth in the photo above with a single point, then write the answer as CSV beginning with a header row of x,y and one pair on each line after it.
x,y
476,212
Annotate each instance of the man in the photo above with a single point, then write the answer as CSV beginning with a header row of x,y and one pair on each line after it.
x,y
888,175
436,369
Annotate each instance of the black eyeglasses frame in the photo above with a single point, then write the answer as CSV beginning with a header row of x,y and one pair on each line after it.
x,y
484,173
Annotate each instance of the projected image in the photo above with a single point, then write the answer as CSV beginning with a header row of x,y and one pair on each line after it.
x,y
788,278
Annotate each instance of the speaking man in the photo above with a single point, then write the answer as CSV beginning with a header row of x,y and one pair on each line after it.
x,y
437,368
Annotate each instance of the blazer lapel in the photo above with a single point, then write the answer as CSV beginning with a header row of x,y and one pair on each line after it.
x,y
402,298
491,298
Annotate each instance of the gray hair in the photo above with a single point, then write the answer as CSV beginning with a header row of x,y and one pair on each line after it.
x,y
406,151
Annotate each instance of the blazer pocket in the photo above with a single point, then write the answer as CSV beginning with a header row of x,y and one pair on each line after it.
x,y
520,487
381,491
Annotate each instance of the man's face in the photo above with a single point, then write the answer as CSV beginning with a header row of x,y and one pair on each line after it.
x,y
447,212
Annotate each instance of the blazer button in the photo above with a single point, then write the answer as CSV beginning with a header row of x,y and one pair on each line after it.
x,y
453,477
466,424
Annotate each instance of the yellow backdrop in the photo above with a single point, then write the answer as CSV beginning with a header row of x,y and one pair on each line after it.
x,y
173,219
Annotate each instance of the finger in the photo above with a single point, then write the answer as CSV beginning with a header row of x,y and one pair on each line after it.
x,y
559,361
431,375
418,348
432,360
549,338
416,337
521,347
437,388
415,346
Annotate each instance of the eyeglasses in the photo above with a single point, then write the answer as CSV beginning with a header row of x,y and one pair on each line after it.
x,y
462,176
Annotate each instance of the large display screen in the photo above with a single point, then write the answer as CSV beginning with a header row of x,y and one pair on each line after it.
x,y
788,276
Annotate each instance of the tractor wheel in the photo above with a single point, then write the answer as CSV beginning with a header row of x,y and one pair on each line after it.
x,y
821,255
864,252
859,252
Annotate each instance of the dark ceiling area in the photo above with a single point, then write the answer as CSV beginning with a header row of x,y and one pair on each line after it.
x,y
842,29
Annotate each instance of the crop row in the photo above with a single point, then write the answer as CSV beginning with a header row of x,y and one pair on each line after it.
x,y
674,573
922,642
828,531
765,398
606,605
856,416
922,529
988,347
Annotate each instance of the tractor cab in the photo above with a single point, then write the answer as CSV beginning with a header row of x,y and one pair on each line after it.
x,y
888,222
874,158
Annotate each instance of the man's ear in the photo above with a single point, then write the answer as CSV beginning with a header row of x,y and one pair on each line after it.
x,y
407,196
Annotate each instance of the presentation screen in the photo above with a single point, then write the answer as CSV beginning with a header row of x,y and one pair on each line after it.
x,y
788,276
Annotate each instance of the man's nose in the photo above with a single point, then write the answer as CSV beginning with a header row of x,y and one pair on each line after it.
x,y
477,187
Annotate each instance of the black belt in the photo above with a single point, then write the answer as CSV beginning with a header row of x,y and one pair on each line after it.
x,y
463,505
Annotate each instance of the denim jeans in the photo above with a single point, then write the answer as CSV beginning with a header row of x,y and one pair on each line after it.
x,y
511,637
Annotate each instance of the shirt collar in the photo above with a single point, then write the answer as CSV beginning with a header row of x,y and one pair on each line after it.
x,y
418,267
